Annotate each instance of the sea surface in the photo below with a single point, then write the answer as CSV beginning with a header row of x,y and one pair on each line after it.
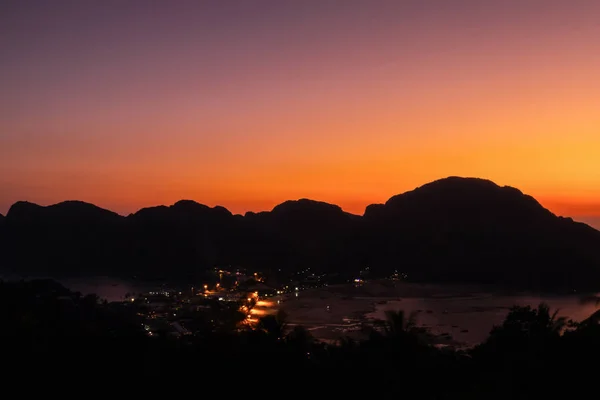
x,y
469,319
461,314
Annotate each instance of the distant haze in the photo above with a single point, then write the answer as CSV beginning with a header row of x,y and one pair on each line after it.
x,y
127,104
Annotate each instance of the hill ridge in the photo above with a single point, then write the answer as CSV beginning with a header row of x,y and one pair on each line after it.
x,y
450,179
452,229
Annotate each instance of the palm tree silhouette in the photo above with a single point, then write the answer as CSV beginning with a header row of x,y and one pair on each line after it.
x,y
398,324
536,320
400,329
550,322
526,325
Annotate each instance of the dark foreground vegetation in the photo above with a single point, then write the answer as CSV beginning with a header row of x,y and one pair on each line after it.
x,y
52,332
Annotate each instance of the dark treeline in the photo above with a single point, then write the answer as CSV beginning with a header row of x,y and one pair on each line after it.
x,y
452,230
49,331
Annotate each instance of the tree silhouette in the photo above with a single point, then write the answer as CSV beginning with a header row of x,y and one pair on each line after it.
x,y
274,325
300,338
398,324
524,338
536,321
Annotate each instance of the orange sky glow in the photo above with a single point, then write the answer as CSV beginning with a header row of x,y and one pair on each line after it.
x,y
246,106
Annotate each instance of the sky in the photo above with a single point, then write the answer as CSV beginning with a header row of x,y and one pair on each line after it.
x,y
245,104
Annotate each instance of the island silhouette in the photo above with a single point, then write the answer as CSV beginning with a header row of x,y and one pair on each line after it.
x,y
450,230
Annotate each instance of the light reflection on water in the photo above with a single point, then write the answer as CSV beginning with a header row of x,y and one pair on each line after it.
x,y
464,315
467,318
470,319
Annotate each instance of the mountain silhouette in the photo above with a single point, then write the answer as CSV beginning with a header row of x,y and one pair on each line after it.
x,y
467,229
451,230
66,237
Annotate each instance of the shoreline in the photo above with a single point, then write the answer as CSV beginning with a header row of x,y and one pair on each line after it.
x,y
458,316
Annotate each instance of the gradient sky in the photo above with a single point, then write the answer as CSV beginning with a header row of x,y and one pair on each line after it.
x,y
245,104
